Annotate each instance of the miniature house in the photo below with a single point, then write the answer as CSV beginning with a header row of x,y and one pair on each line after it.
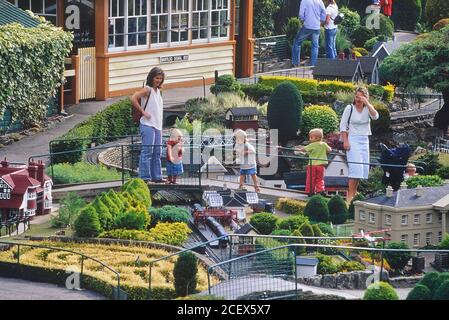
x,y
212,169
370,68
381,50
335,69
243,118
25,191
306,266
415,216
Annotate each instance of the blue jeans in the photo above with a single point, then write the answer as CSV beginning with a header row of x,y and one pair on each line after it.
x,y
331,49
302,35
150,156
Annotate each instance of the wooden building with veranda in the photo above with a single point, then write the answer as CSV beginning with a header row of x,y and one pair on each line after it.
x,y
119,41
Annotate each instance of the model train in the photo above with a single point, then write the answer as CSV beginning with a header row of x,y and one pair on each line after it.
x,y
219,231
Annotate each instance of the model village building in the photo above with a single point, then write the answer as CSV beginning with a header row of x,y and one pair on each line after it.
x,y
415,216
25,191
117,42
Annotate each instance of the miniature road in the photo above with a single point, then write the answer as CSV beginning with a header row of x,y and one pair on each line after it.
x,y
235,288
16,289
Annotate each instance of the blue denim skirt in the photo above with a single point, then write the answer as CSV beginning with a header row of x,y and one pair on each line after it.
x,y
248,172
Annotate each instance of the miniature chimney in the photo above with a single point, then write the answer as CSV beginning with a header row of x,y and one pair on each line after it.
x,y
5,163
403,185
40,171
419,191
389,192
32,169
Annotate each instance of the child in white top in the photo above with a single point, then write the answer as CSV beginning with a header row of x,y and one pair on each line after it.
x,y
246,157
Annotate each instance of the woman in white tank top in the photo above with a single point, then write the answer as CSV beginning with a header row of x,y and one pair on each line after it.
x,y
150,125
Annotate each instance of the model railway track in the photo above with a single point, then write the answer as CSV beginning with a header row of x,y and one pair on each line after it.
x,y
198,238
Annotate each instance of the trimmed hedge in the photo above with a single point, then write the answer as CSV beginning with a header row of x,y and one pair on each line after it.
x,y
300,83
185,274
264,222
31,69
115,120
335,86
292,223
317,210
169,214
225,83
442,293
424,181
290,206
338,210
380,291
257,91
323,117
419,292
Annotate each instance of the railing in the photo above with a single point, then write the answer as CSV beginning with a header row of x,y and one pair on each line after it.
x,y
441,145
83,259
273,273
270,49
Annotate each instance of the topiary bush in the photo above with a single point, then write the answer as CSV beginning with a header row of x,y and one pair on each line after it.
x,y
382,124
322,117
290,206
257,91
442,293
138,189
169,214
175,233
106,219
306,230
436,10
284,110
361,35
419,292
424,181
406,14
326,265
292,223
369,44
350,22
185,274
225,83
317,210
334,86
397,260
132,219
282,232
429,281
380,291
326,229
338,210
264,222
88,224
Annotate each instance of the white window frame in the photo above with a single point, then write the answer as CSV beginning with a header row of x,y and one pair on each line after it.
x,y
406,220
416,239
126,18
195,11
40,14
219,9
32,195
183,11
372,217
47,187
362,215
429,220
404,238
388,219
152,15
417,219
48,204
429,237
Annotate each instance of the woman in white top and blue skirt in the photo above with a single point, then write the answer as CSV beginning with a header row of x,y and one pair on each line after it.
x,y
355,129
148,100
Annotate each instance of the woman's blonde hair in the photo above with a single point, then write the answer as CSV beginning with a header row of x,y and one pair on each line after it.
x,y
174,134
363,91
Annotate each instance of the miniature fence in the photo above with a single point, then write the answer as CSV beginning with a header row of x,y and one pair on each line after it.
x,y
118,294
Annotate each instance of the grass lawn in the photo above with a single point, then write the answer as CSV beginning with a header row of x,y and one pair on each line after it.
x,y
44,230
442,157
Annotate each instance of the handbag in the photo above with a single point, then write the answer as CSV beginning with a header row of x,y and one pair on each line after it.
x,y
339,18
136,113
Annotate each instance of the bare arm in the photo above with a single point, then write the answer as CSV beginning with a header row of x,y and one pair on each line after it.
x,y
135,100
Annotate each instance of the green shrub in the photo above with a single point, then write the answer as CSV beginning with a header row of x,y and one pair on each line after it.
x,y
257,91
442,277
65,173
113,207
419,292
431,161
349,266
306,229
317,231
406,14
361,35
303,85
32,65
338,210
376,91
225,83
138,235
69,209
424,181
380,291
169,214
138,189
382,124
105,216
317,210
326,265
292,223
335,86
264,222
397,260
357,197
436,10
350,22
429,281
132,219
281,232
369,44
88,224
291,29
290,206
170,233
326,229
386,25
322,117
444,244
185,274
441,24
285,100
443,172
442,293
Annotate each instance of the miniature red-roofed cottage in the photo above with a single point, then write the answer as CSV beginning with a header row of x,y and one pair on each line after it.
x,y
25,191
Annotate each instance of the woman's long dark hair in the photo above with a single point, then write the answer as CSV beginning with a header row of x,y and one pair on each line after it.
x,y
156,71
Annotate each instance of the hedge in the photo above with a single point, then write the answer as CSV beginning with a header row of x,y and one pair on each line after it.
x,y
436,10
264,222
424,181
419,292
31,69
290,206
380,291
300,83
316,116
115,120
335,86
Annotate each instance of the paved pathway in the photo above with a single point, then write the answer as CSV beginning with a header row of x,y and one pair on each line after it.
x,y
235,288
17,289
